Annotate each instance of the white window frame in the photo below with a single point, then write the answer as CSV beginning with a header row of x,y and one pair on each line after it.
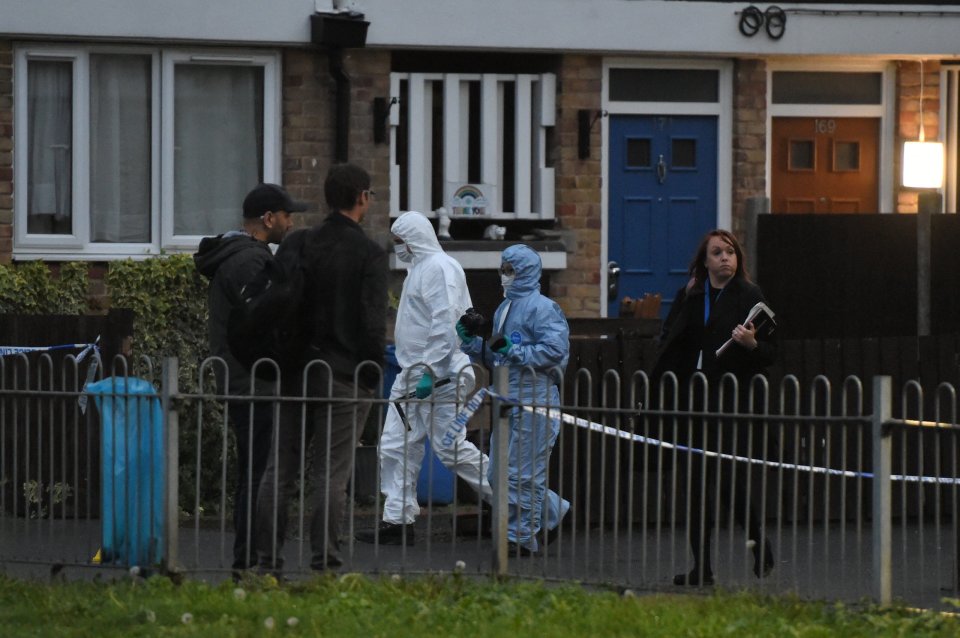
x,y
535,112
77,246
884,111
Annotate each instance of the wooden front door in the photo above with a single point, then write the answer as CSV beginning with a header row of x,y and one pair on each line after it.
x,y
825,165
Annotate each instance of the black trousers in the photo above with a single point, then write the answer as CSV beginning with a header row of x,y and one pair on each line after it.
x,y
711,483
252,432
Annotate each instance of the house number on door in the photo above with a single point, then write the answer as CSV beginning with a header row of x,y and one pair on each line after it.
x,y
825,126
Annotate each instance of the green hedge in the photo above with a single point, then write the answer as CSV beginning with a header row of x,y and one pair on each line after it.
x,y
169,301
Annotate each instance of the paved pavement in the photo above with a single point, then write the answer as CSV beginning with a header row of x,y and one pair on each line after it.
x,y
833,562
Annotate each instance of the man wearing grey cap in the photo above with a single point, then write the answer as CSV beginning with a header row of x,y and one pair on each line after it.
x,y
230,261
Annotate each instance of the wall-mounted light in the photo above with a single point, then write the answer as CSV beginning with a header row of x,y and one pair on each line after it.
x,y
586,118
922,161
381,113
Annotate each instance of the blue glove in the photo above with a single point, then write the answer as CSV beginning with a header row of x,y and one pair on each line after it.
x,y
425,386
463,333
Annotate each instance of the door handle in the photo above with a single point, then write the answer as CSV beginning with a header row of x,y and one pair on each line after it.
x,y
613,280
661,171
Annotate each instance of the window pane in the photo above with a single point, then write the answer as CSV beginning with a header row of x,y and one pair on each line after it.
x,y
664,85
638,153
801,155
809,87
49,147
218,145
120,148
684,154
846,156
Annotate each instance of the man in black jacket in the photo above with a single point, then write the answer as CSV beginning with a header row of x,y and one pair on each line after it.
x,y
229,261
344,310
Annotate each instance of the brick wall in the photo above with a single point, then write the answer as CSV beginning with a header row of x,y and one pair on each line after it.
x,y
6,151
908,118
578,183
309,136
749,138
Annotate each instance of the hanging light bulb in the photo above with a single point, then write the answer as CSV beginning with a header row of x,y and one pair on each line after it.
x,y
922,161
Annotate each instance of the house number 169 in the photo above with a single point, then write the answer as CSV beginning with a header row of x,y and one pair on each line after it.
x,y
825,126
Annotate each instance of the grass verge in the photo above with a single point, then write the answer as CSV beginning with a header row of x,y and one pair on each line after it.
x,y
357,605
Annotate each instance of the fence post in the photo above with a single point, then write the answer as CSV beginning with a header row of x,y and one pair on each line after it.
x,y
169,389
881,489
753,208
501,416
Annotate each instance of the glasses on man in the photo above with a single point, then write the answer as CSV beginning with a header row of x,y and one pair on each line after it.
x,y
506,269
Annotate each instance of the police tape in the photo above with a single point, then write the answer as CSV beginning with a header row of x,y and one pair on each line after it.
x,y
553,413
86,349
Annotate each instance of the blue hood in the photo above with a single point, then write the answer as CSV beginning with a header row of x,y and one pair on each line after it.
x,y
526,262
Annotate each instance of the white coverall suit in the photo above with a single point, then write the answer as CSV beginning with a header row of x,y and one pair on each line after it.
x,y
434,297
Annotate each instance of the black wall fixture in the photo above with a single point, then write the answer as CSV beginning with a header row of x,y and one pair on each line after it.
x,y
381,112
586,118
346,29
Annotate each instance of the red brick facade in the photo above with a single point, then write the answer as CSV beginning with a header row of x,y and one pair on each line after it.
x,y
309,135
309,140
749,139
578,187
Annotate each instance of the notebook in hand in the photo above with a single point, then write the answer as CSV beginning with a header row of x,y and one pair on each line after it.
x,y
762,318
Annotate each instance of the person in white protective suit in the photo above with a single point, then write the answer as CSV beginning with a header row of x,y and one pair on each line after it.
x,y
532,339
434,296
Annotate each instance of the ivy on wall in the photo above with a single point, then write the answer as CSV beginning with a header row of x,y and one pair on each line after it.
x,y
28,288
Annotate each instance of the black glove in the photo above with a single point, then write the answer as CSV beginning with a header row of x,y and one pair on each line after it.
x,y
470,324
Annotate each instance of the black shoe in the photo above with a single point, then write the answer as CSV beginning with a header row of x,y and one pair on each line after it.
x,y
387,534
513,549
764,569
694,579
551,536
333,562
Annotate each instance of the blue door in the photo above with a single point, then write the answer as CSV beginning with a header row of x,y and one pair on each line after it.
x,y
663,198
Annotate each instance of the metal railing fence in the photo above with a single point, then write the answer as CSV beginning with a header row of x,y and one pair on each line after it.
x,y
818,490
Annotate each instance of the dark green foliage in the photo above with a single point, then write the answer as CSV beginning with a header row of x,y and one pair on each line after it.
x,y
169,299
29,288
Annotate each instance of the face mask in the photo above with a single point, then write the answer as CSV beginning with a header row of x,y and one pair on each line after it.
x,y
507,280
403,252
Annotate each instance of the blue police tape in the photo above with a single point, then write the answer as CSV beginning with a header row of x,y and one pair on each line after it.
x,y
473,405
85,347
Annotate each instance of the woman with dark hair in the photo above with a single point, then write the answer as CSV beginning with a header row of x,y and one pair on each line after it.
x,y
706,313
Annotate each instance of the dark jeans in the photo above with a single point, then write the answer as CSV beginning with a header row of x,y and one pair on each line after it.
x,y
327,438
253,449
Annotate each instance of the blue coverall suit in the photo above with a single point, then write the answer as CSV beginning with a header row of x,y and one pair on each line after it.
x,y
537,330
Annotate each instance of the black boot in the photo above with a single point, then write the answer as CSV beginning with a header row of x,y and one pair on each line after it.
x,y
388,534
762,566
696,578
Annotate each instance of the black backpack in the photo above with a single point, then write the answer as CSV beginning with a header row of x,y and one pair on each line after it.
x,y
267,323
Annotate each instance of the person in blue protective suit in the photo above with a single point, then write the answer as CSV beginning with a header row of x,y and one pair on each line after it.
x,y
531,338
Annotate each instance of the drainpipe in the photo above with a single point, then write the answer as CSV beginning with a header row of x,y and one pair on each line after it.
x,y
342,105
336,31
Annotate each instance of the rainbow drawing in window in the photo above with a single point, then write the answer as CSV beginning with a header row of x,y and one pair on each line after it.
x,y
468,200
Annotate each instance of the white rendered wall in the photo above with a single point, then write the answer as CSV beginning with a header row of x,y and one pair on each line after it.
x,y
608,26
